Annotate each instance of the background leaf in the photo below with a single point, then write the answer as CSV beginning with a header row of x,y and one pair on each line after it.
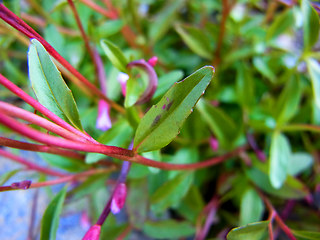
x,y
115,55
314,71
255,231
310,24
163,121
280,153
49,86
252,207
50,219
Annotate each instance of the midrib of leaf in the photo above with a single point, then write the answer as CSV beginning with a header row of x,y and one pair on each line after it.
x,y
48,83
168,115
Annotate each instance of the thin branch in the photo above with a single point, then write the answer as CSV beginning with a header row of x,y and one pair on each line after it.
x,y
20,25
97,8
14,111
37,106
84,36
30,165
39,148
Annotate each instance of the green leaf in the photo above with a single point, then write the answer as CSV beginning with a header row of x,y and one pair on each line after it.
x,y
314,71
252,207
310,24
168,229
166,81
115,55
163,20
306,235
291,189
280,153
163,121
49,86
196,40
254,231
299,162
66,163
288,102
13,5
171,192
50,219
244,85
280,24
262,66
134,89
7,175
220,124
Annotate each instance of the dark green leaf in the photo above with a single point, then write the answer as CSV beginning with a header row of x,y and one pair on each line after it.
x,y
50,219
171,192
115,55
168,229
163,121
288,102
306,235
314,71
252,207
310,24
252,231
49,86
163,20
220,124
196,40
280,153
244,85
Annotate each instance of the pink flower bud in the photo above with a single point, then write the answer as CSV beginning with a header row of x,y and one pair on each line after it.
x,y
214,144
93,233
119,198
122,79
84,220
24,185
153,61
103,120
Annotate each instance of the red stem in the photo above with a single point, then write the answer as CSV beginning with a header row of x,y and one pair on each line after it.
x,y
37,106
31,165
14,111
84,35
39,148
96,7
21,26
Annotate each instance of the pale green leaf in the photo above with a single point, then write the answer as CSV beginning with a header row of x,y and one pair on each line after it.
x,y
254,231
49,86
299,162
314,71
280,153
251,208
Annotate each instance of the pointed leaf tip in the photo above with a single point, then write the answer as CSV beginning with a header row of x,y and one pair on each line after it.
x,y
163,121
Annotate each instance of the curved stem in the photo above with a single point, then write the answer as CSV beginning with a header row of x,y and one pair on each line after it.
x,y
20,25
39,148
14,111
153,79
31,165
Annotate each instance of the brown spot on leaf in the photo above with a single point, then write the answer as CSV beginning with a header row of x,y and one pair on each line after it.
x,y
156,120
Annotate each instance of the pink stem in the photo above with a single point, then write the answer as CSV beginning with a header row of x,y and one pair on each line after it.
x,y
21,26
36,105
14,111
31,165
153,79
39,148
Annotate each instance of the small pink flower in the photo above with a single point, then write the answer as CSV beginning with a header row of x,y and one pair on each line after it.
x,y
119,198
122,79
93,233
214,144
153,61
103,120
